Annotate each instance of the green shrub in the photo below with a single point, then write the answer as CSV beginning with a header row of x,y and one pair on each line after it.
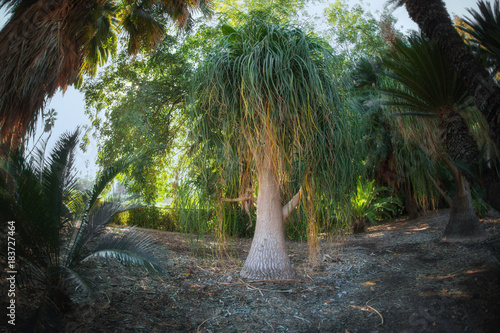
x,y
371,204
150,217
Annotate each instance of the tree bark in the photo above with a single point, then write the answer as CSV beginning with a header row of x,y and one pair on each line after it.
x,y
268,258
463,223
433,19
457,140
290,206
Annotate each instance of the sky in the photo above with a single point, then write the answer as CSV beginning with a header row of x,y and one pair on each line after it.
x,y
70,105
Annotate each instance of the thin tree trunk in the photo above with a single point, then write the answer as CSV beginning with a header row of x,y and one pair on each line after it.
x,y
411,205
463,223
268,258
433,19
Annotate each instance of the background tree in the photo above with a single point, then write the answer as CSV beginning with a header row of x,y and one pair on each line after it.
x,y
47,45
137,104
269,90
354,31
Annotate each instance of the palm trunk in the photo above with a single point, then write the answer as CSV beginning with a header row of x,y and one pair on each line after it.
x,y
461,146
457,140
463,223
268,258
433,19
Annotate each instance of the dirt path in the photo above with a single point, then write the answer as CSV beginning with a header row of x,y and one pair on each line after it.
x,y
397,277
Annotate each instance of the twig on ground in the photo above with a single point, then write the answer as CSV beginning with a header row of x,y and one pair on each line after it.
x,y
206,320
368,309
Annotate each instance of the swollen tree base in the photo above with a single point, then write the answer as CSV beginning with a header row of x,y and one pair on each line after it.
x,y
268,257
463,224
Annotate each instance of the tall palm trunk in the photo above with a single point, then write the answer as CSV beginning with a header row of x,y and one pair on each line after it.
x,y
268,258
433,19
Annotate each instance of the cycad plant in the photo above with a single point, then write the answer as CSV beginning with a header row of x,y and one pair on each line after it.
x,y
427,84
371,203
57,230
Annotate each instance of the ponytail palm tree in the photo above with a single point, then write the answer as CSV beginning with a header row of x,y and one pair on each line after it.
x,y
269,90
429,85
57,230
49,44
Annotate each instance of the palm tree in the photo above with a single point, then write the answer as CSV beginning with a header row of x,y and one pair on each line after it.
x,y
435,22
429,84
57,230
269,90
47,45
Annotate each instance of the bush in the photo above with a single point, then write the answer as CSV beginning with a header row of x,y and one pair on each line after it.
x,y
150,217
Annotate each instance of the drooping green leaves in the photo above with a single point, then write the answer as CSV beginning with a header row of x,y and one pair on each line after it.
x,y
275,81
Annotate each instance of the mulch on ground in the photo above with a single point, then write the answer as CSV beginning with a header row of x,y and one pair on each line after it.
x,y
396,277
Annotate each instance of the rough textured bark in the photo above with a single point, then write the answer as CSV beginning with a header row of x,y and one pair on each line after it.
x,y
433,19
461,146
268,258
463,223
457,140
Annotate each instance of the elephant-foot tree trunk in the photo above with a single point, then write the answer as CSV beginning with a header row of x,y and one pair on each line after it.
x,y
268,258
463,224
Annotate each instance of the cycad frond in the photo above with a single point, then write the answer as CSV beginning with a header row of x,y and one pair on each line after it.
x,y
485,28
130,247
429,82
58,178
106,176
93,226
78,278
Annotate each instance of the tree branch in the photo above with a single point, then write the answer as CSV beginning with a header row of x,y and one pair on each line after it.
x,y
290,206
440,190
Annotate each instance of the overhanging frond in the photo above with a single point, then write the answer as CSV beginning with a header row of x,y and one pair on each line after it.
x,y
130,247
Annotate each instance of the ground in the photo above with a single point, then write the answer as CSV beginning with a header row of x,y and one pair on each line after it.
x,y
396,277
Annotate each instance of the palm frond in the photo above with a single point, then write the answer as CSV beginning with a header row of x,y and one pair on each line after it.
x,y
130,247
78,278
142,28
428,81
107,175
87,230
484,27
